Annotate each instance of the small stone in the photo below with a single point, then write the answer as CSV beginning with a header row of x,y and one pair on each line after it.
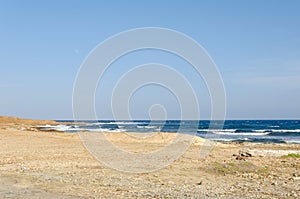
x,y
240,158
296,178
199,183
255,176
249,154
245,153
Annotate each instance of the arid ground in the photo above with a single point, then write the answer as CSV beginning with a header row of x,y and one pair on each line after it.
x,y
39,164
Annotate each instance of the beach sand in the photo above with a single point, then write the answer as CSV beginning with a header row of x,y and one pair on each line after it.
x,y
39,164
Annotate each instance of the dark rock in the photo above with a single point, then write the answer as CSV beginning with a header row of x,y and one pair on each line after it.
x,y
199,183
240,158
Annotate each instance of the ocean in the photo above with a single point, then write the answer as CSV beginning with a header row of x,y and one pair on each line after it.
x,y
264,131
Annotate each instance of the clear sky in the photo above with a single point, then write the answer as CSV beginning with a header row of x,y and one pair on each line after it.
x,y
255,44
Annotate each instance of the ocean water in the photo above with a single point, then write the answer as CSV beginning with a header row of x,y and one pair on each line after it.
x,y
273,131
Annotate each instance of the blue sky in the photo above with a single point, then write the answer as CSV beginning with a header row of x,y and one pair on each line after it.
x,y
255,44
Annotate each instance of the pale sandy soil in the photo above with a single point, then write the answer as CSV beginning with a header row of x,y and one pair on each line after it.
x,y
36,164
4,120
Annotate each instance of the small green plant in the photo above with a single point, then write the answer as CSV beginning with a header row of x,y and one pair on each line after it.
x,y
264,169
232,164
291,155
233,167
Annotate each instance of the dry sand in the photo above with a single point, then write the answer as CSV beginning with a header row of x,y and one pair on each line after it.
x,y
37,164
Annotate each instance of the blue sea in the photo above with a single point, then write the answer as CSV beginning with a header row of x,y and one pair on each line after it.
x,y
265,131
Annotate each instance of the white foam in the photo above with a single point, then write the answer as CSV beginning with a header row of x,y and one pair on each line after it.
x,y
150,127
285,130
232,132
123,123
105,130
254,132
219,130
245,134
146,127
293,141
229,139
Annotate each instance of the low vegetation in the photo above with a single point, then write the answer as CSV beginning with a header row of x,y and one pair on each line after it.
x,y
291,155
234,167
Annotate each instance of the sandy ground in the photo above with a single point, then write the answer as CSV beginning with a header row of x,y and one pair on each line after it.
x,y
36,164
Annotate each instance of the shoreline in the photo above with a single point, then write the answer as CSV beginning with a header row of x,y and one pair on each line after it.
x,y
231,131
39,164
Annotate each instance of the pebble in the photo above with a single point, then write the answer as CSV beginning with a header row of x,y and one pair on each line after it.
x,y
296,178
199,183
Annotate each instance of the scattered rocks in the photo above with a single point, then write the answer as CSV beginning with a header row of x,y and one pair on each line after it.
x,y
245,153
240,158
58,163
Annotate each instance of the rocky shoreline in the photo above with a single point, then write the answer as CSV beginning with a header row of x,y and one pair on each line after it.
x,y
36,164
